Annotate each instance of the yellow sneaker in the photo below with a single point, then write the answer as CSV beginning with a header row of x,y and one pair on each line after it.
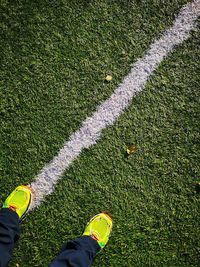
x,y
19,200
99,228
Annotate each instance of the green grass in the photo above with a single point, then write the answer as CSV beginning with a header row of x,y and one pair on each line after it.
x,y
55,58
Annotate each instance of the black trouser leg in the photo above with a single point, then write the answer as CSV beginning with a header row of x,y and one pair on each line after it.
x,y
77,253
9,233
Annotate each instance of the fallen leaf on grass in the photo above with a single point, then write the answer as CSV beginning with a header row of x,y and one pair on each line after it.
x,y
131,149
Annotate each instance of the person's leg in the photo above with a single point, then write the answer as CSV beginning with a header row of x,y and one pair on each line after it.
x,y
77,253
81,251
9,233
14,207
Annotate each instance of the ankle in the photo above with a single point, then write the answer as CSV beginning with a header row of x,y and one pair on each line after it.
x,y
13,208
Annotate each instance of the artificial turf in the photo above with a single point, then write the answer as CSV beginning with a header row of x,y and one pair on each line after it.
x,y
54,60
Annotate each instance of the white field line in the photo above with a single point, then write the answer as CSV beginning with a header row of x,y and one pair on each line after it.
x,y
108,112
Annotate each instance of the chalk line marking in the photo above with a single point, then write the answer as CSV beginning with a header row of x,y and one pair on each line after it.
x,y
108,112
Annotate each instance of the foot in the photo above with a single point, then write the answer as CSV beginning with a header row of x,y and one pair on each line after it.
x,y
19,200
99,228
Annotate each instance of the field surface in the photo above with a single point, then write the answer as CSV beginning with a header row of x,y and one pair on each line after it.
x,y
55,56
